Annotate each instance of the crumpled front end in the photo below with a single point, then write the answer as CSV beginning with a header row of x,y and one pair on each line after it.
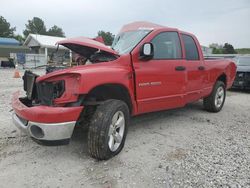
x,y
50,110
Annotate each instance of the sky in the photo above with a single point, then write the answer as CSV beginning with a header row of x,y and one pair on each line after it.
x,y
212,21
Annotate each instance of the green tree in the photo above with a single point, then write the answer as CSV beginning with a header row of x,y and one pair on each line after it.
x,y
36,26
107,37
20,38
56,31
217,51
5,29
228,49
243,50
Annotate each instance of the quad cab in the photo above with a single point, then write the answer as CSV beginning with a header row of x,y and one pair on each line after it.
x,y
148,68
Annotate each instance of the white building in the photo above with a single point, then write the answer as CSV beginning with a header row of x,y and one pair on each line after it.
x,y
43,44
206,50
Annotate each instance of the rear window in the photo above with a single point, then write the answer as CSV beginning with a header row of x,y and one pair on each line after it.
x,y
190,47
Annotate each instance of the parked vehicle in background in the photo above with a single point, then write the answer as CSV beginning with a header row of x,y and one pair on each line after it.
x,y
9,64
148,68
242,80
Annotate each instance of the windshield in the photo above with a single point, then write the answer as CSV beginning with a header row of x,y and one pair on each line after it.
x,y
244,61
125,42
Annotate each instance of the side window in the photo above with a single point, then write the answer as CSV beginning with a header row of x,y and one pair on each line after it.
x,y
190,47
167,46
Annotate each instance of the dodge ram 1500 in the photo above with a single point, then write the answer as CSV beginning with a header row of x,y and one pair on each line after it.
x,y
148,68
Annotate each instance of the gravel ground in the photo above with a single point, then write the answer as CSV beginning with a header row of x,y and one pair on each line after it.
x,y
187,147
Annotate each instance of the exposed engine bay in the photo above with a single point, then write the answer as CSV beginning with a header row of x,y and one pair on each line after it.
x,y
81,54
97,57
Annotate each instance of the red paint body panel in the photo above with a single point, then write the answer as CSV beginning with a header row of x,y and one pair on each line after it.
x,y
167,89
177,88
141,25
99,39
84,41
45,114
166,95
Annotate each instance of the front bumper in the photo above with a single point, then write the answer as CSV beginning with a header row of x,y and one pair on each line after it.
x,y
45,131
45,123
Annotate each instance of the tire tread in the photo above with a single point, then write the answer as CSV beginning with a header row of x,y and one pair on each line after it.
x,y
208,102
99,127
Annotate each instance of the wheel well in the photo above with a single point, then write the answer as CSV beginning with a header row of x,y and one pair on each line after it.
x,y
110,91
223,78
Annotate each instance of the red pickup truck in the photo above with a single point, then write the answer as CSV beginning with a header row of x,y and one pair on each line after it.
x,y
148,68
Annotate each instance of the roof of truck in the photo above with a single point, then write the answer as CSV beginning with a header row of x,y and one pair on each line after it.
x,y
142,25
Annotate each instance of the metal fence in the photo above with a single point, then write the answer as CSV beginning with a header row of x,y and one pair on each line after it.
x,y
34,60
28,61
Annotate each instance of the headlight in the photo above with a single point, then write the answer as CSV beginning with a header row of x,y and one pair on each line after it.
x,y
48,91
58,90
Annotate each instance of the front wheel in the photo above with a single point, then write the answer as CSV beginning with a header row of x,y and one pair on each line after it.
x,y
108,129
215,101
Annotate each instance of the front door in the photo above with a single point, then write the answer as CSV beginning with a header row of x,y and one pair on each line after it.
x,y
160,82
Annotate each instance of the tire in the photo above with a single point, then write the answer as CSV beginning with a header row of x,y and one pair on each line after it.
x,y
215,101
104,129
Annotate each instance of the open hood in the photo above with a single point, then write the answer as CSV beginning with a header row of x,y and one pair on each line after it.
x,y
86,46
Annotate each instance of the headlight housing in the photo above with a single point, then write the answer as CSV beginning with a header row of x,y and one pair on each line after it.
x,y
58,90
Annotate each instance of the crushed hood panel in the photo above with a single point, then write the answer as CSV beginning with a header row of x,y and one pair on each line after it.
x,y
86,46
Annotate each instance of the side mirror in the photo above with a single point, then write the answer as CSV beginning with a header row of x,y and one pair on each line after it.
x,y
147,51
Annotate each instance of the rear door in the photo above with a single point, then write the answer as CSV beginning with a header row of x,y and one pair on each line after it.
x,y
160,82
194,67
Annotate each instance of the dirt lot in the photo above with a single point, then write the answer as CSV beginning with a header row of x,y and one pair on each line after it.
x,y
178,148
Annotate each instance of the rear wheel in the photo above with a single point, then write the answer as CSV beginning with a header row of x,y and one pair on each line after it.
x,y
215,101
108,129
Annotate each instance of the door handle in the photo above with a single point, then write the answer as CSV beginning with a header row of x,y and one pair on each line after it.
x,y
201,68
180,68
